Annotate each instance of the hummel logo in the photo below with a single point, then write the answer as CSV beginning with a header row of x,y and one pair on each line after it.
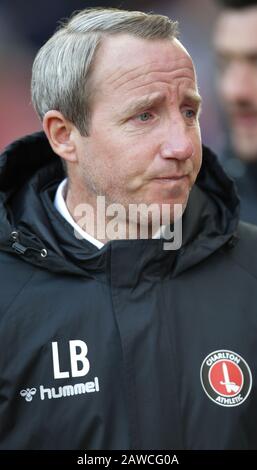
x,y
28,393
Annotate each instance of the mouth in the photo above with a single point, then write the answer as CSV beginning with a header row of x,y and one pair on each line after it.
x,y
244,119
171,178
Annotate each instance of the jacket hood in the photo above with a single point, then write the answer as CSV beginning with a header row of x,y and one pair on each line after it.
x,y
32,228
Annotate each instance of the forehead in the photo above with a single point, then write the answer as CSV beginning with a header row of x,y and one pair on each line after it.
x,y
236,31
125,63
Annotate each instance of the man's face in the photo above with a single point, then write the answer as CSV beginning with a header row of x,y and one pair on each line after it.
x,y
235,42
144,144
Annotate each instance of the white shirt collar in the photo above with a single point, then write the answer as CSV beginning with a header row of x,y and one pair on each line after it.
x,y
60,205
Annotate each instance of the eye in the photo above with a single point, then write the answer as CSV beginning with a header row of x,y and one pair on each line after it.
x,y
190,113
144,117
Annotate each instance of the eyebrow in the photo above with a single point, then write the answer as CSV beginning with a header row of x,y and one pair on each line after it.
x,y
194,97
156,98
144,102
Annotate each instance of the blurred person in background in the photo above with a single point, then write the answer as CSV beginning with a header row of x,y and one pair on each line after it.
x,y
235,43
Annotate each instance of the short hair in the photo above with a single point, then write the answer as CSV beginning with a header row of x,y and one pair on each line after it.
x,y
237,4
63,66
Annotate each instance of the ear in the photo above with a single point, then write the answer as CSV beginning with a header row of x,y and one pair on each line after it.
x,y
61,135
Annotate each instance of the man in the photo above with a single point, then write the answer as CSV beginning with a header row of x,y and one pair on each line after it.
x,y
120,343
235,42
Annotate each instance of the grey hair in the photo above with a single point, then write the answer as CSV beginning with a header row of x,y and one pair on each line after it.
x,y
63,66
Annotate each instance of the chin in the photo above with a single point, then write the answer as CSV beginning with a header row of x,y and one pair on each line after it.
x,y
175,211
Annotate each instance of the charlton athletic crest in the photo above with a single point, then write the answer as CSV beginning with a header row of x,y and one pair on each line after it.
x,y
226,378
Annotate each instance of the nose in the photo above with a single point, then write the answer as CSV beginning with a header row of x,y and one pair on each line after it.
x,y
177,143
235,83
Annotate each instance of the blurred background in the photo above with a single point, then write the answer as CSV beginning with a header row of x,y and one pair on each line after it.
x,y
25,26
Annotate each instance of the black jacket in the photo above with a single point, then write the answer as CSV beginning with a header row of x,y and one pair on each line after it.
x,y
244,175
130,346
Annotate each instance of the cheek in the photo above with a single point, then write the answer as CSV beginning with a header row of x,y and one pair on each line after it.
x,y
142,148
197,159
103,154
133,156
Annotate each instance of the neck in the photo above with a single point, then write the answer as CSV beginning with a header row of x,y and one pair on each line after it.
x,y
103,220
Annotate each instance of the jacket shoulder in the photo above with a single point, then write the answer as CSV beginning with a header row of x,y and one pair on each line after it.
x,y
244,252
